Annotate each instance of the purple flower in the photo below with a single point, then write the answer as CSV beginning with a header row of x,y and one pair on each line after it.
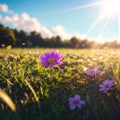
x,y
51,59
34,71
92,71
106,85
75,102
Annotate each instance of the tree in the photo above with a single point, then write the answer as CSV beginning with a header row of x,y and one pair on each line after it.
x,y
7,36
74,42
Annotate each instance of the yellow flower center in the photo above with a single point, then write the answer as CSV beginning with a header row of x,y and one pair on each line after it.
x,y
51,60
92,72
107,86
75,102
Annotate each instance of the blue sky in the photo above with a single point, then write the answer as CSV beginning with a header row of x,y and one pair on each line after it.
x,y
58,17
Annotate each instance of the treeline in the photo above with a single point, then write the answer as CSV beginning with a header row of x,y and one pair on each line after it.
x,y
20,39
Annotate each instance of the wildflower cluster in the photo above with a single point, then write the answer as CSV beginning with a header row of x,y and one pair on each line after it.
x,y
76,85
54,58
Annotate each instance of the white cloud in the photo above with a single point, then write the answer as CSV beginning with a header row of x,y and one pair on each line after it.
x,y
82,37
1,17
4,8
59,30
23,22
28,24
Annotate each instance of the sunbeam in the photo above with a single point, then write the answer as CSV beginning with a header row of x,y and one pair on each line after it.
x,y
109,9
105,24
94,24
107,20
118,26
76,8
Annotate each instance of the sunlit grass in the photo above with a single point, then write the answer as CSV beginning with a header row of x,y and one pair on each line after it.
x,y
7,100
35,92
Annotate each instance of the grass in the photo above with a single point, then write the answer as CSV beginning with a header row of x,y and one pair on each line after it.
x,y
30,91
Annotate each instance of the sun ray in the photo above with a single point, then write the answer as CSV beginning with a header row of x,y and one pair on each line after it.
x,y
107,20
94,24
118,27
111,8
108,10
76,8
105,24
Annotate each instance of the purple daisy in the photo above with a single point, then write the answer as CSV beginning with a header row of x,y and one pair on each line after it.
x,y
75,102
92,71
106,85
51,59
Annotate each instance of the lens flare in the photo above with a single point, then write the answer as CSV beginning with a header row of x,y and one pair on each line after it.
x,y
110,7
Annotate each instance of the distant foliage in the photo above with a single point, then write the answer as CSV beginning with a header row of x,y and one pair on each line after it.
x,y
22,39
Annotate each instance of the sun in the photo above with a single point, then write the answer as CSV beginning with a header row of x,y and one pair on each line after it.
x,y
110,7
109,11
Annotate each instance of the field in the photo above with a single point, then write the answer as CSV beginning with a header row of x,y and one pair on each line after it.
x,y
73,90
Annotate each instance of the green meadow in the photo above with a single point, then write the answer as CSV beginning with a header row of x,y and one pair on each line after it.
x,y
30,91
